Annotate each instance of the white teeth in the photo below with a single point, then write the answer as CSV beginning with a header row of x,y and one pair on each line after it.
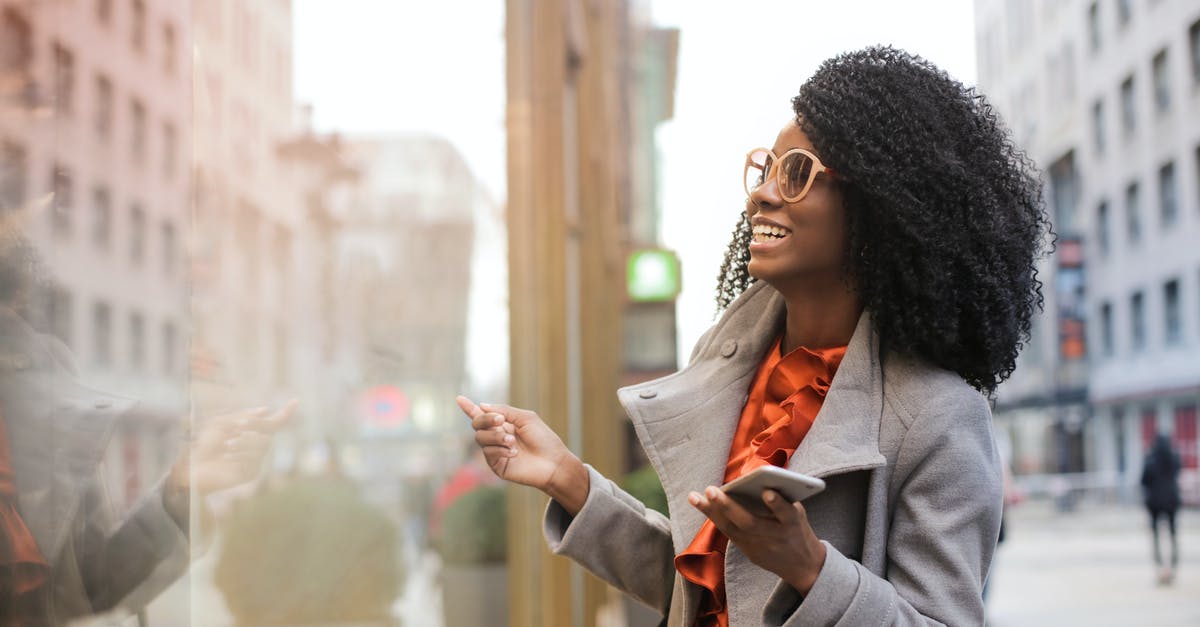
x,y
764,232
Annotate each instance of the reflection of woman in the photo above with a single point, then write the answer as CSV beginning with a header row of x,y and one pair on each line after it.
x,y
62,554
881,277
1160,483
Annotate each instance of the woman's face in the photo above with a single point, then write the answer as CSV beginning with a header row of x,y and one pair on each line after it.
x,y
813,228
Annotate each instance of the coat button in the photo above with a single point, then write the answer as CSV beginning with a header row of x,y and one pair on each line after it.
x,y
729,348
647,394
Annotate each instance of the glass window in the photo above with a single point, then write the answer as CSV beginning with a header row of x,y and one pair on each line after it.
x,y
137,24
1128,106
1194,48
104,106
1124,12
170,148
58,313
169,52
137,342
169,341
104,11
1133,214
101,217
1102,234
1137,321
1172,316
137,124
1098,125
1094,26
1106,329
64,192
1162,81
102,335
168,248
1167,201
13,171
16,46
64,79
137,234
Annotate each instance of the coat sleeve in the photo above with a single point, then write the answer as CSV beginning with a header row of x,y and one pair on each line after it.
x,y
944,525
129,563
618,539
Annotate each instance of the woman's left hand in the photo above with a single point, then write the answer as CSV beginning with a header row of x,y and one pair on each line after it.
x,y
783,544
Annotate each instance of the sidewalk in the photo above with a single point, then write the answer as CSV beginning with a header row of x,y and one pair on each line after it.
x,y
1093,566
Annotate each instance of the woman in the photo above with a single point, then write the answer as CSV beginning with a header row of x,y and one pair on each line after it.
x,y
1160,483
881,278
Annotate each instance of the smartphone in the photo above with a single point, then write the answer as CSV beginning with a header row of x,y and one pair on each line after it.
x,y
747,490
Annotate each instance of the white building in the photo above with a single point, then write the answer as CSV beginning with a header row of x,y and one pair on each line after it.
x,y
1105,97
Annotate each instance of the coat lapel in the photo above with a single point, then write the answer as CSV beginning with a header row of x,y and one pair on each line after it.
x,y
845,435
58,431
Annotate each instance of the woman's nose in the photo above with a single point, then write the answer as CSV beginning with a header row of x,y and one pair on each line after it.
x,y
765,196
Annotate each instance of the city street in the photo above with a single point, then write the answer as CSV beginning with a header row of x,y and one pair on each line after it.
x,y
1091,567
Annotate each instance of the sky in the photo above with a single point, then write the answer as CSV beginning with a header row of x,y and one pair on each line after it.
x,y
403,66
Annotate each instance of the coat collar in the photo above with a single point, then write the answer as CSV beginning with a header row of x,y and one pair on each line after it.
x,y
686,421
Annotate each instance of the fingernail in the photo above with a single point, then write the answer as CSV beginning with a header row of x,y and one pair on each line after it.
x,y
710,492
694,498
512,452
498,419
508,439
769,497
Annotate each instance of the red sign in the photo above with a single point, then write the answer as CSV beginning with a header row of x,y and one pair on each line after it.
x,y
384,407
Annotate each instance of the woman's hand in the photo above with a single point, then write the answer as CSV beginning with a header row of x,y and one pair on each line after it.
x,y
784,544
519,447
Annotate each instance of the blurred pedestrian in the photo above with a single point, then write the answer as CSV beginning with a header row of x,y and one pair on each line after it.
x,y
1160,485
881,276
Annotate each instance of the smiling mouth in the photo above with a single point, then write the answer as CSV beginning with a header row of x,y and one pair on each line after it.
x,y
767,233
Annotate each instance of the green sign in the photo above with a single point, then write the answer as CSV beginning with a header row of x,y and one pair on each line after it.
x,y
652,275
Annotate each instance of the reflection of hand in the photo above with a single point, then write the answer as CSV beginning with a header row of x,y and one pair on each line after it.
x,y
228,450
783,543
521,448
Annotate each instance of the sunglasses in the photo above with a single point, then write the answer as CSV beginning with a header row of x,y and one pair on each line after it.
x,y
794,175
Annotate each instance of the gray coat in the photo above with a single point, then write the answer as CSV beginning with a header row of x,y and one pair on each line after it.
x,y
58,431
909,517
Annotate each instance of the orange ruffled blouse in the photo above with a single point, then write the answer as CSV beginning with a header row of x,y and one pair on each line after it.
x,y
22,567
785,396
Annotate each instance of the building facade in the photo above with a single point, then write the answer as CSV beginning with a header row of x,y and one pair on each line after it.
x,y
95,101
1105,97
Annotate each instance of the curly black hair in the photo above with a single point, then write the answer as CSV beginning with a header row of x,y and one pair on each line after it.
x,y
944,214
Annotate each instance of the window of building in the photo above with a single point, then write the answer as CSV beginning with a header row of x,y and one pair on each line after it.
x,y
104,106
1094,26
1124,12
137,127
1184,438
1098,125
169,52
101,218
1106,329
1172,314
137,234
137,24
64,199
13,166
169,251
169,341
1137,321
1133,213
1128,106
16,47
1102,228
102,334
1064,181
1162,81
58,313
137,342
1168,203
170,149
1194,48
64,79
104,11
